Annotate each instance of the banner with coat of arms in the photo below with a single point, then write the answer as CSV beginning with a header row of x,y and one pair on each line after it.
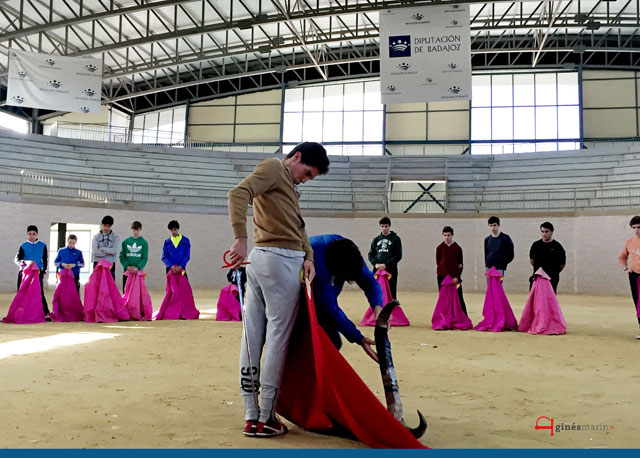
x,y
425,54
58,83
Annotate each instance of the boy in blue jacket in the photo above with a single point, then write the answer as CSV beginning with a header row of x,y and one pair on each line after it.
x,y
36,251
176,250
338,260
71,258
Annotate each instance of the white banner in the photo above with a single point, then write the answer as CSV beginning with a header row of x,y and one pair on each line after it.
x,y
57,83
425,54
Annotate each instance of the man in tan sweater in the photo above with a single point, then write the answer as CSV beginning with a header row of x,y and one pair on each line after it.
x,y
631,249
281,250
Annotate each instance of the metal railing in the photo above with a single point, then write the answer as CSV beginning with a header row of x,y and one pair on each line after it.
x,y
100,190
117,134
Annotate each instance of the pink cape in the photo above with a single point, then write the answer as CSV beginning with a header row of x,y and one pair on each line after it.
x,y
398,318
67,305
136,297
102,300
497,312
228,304
542,314
178,301
448,313
320,391
26,307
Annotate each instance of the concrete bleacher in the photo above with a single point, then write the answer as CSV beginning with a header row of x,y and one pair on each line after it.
x,y
152,174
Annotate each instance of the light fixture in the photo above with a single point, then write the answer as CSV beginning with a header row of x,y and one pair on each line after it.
x,y
593,25
244,24
581,18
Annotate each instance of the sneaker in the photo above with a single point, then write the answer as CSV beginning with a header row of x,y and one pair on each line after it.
x,y
638,337
250,427
273,427
48,318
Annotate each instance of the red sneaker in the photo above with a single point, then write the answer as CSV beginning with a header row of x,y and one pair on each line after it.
x,y
250,428
273,427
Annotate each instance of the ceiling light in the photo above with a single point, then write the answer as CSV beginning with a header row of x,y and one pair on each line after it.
x,y
244,24
593,25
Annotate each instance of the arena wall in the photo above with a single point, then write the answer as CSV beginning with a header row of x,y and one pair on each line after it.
x,y
592,242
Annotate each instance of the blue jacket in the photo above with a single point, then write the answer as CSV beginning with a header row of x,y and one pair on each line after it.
x,y
36,252
68,255
172,256
498,251
326,291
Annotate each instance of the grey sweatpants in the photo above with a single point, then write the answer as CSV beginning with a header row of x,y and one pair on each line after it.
x,y
273,292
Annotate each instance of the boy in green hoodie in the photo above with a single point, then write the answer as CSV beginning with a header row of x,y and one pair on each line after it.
x,y
134,253
386,252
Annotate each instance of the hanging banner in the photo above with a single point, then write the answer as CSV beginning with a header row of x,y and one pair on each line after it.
x,y
57,83
425,54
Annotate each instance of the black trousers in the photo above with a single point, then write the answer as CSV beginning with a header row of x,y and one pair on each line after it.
x,y
633,283
462,304
112,270
554,282
45,306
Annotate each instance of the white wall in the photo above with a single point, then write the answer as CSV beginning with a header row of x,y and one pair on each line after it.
x,y
592,244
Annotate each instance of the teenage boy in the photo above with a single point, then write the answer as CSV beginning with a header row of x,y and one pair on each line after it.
x,y
631,249
71,258
176,251
106,245
134,253
449,262
547,254
281,250
498,247
338,260
386,252
36,251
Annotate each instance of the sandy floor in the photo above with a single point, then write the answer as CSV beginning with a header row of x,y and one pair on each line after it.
x,y
173,384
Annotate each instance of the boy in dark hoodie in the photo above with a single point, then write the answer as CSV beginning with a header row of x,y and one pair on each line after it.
x,y
386,252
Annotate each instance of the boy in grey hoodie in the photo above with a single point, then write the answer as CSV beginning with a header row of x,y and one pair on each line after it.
x,y
106,245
